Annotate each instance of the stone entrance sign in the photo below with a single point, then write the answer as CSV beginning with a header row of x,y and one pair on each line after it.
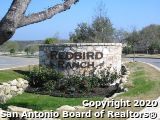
x,y
81,58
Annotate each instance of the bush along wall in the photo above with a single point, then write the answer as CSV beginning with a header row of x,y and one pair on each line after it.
x,y
43,80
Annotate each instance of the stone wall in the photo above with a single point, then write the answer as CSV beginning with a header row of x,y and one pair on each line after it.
x,y
12,88
81,58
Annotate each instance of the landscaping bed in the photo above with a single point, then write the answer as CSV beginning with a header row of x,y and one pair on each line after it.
x,y
47,81
144,83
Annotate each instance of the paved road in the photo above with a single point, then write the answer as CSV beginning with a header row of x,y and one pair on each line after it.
x,y
155,62
12,62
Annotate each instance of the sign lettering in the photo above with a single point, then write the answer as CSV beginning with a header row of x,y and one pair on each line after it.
x,y
63,57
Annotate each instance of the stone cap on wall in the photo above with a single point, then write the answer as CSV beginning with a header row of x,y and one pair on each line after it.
x,y
82,44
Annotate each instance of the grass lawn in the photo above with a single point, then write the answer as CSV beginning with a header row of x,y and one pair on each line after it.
x,y
11,74
144,84
8,75
43,102
144,55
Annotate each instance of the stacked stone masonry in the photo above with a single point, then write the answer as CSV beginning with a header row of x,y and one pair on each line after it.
x,y
81,58
12,88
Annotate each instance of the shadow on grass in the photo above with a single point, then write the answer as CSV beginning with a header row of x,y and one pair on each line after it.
x,y
22,72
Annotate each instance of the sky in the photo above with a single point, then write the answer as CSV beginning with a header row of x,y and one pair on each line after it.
x,y
124,14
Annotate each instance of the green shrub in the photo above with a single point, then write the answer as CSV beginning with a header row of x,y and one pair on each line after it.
x,y
54,83
106,77
126,50
12,51
51,41
40,76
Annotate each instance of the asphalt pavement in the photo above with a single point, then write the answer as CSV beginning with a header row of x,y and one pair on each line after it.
x,y
152,61
7,62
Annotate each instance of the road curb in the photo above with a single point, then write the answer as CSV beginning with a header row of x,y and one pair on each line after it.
x,y
143,57
16,67
157,68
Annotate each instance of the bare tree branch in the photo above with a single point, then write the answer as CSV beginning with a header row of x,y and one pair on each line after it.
x,y
46,14
10,21
15,17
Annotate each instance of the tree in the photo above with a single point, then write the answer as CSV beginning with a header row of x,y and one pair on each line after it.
x,y
10,45
133,40
103,29
31,49
26,50
102,25
146,40
12,51
120,35
15,17
51,41
150,38
100,30
83,33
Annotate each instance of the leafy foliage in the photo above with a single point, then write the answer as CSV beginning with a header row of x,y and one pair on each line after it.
x,y
51,41
31,49
12,51
103,29
83,33
100,30
106,77
55,83
127,50
41,75
146,40
10,46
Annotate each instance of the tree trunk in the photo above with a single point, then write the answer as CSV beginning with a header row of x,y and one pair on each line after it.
x,y
5,34
133,53
15,17
9,23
